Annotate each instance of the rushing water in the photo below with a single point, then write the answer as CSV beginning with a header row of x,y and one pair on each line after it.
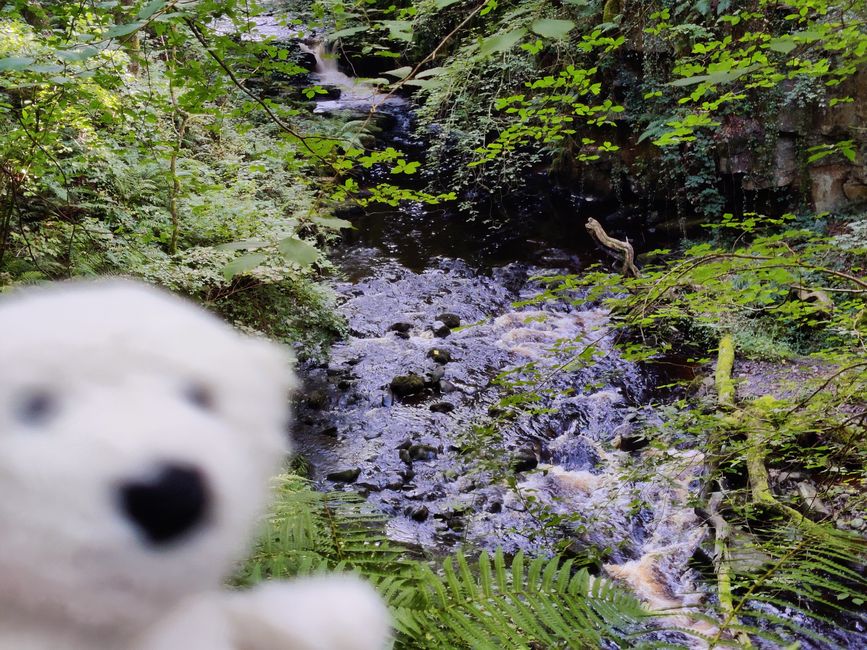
x,y
409,408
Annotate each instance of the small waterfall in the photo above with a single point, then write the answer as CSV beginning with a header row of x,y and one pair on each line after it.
x,y
354,93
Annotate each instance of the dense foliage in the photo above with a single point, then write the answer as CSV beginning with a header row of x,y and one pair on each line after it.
x,y
164,140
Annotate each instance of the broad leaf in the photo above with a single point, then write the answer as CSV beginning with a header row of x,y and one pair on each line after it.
x,y
501,42
332,222
123,30
551,28
151,8
300,252
16,62
399,73
243,264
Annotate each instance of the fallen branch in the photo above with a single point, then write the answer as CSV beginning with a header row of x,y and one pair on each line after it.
x,y
723,566
598,233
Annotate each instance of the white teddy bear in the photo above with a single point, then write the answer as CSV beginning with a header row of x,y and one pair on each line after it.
x,y
138,434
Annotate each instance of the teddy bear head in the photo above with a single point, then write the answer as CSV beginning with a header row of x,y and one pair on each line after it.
x,y
137,437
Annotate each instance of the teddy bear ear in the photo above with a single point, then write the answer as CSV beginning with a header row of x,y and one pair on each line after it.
x,y
273,362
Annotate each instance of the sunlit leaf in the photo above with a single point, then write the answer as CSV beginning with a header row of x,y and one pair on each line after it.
x,y
300,252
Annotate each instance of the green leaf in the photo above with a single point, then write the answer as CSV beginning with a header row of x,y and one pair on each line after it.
x,y
300,252
78,53
432,72
400,30
399,73
349,31
551,28
16,62
243,264
46,68
783,45
332,222
150,9
123,30
501,42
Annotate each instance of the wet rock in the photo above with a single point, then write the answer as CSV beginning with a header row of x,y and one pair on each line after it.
x,y
387,398
402,335
418,514
449,319
394,484
403,454
495,507
524,460
422,452
401,327
372,435
627,439
446,386
331,432
439,355
441,330
336,372
370,487
406,385
406,474
442,407
406,444
344,384
317,399
436,374
344,475
810,496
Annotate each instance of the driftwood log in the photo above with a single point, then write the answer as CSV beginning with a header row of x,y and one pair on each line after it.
x,y
623,247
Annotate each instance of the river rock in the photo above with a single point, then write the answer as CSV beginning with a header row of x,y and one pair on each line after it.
x,y
436,374
403,454
442,407
449,319
344,475
524,460
401,327
317,399
422,452
405,444
446,386
419,513
439,355
441,330
406,385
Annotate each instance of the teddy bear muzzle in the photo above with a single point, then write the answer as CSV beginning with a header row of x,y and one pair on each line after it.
x,y
168,504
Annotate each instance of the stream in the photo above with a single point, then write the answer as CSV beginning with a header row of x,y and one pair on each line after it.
x,y
409,406
417,410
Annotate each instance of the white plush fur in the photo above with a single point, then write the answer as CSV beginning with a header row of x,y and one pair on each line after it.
x,y
117,362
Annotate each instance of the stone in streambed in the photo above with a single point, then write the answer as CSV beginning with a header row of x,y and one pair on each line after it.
x,y
422,452
442,407
441,330
439,355
449,319
344,475
401,327
407,385
524,460
418,514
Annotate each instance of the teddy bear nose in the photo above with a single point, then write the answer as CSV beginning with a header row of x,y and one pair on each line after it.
x,y
167,504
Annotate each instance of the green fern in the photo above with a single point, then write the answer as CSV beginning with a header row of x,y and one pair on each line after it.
x,y
487,603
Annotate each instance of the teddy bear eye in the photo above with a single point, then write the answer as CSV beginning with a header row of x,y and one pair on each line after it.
x,y
36,407
200,396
